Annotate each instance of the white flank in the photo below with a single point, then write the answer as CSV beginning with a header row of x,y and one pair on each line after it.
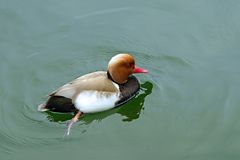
x,y
95,101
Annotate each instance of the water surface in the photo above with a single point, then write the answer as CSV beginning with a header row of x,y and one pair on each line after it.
x,y
188,107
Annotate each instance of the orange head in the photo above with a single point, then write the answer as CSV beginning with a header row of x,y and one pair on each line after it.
x,y
121,66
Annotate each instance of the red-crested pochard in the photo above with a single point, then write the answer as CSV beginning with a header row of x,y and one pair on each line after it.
x,y
97,91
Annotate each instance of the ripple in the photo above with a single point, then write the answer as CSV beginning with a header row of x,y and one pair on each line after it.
x,y
176,60
100,12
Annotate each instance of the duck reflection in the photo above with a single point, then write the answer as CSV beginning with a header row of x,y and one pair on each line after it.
x,y
129,111
133,108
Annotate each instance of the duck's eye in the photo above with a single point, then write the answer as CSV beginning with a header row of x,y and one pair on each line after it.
x,y
132,65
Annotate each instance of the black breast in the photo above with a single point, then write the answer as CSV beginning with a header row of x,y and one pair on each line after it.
x,y
128,90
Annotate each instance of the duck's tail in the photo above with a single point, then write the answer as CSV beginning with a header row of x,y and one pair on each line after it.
x,y
42,107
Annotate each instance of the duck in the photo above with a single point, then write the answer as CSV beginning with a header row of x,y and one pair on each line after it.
x,y
97,91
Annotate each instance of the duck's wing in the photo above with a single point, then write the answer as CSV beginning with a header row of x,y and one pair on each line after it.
x,y
96,81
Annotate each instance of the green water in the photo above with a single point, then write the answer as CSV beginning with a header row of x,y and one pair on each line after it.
x,y
188,107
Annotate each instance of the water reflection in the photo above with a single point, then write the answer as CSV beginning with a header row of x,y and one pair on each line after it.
x,y
129,111
133,109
